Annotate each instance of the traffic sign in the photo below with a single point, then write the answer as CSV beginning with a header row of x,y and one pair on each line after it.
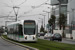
x,y
47,26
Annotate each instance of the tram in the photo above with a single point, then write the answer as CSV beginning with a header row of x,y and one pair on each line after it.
x,y
24,30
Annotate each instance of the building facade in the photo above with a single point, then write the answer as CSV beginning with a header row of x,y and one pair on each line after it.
x,y
62,8
71,12
67,8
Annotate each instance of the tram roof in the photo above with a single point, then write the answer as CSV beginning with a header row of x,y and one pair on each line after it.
x,y
20,21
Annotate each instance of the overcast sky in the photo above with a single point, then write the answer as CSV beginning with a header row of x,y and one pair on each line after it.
x,y
27,9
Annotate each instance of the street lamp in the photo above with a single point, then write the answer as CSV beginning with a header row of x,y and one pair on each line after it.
x,y
41,21
44,20
52,6
48,13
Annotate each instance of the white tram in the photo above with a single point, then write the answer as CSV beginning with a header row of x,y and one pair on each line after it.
x,y
24,30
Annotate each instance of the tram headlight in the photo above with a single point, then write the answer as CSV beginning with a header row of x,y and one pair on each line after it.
x,y
33,37
25,37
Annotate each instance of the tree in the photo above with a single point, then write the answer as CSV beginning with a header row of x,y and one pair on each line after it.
x,y
62,22
52,22
42,29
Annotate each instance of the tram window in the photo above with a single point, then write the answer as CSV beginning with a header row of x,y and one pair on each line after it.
x,y
11,30
20,30
29,27
8,30
17,28
17,31
14,27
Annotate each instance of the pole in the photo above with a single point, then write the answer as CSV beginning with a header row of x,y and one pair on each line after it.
x,y
41,21
72,23
48,15
16,13
44,22
52,9
48,19
5,23
60,11
73,14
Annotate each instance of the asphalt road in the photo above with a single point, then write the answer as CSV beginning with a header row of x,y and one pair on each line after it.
x,y
68,41
4,45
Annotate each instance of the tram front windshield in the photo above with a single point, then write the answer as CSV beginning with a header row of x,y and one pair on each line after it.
x,y
29,28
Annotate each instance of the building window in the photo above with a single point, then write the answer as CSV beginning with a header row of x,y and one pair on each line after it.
x,y
64,9
64,1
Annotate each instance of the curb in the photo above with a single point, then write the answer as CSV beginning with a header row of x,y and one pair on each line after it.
x,y
70,40
25,46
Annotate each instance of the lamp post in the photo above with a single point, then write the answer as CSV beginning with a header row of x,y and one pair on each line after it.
x,y
44,20
48,16
52,6
72,22
48,13
41,21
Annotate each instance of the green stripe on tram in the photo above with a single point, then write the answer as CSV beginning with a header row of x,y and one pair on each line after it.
x,y
21,36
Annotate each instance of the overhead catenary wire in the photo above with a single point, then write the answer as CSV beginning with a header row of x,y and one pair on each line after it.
x,y
27,11
34,7
10,13
7,5
32,15
7,15
22,3
12,2
39,5
13,6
